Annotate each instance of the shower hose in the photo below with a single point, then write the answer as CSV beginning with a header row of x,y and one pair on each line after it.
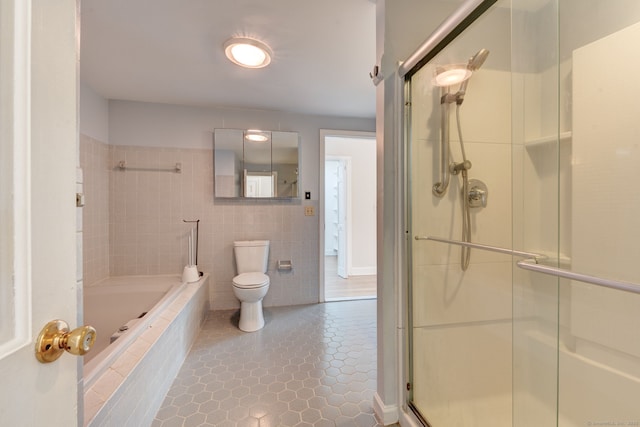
x,y
465,254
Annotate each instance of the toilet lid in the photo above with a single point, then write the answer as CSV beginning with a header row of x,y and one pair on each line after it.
x,y
251,280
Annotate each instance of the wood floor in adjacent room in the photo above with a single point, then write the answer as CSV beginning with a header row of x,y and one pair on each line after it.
x,y
338,288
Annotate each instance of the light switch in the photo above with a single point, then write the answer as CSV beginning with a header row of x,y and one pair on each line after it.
x,y
309,211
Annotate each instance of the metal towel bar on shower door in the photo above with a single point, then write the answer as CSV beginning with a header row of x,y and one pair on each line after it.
x,y
532,264
483,247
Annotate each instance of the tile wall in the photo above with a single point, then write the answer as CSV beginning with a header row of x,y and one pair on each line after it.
x,y
145,212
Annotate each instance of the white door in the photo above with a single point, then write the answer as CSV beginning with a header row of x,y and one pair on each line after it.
x,y
38,137
342,220
331,207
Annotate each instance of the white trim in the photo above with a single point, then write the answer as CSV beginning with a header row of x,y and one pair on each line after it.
x,y
19,138
387,414
408,419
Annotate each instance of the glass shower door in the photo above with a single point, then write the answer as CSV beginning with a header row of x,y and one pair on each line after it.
x,y
461,322
541,327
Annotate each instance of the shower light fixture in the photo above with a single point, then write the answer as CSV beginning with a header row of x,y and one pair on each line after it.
x,y
248,53
452,74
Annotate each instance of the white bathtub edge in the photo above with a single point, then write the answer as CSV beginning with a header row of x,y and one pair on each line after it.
x,y
99,364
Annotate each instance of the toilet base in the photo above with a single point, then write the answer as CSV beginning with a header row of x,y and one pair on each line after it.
x,y
251,316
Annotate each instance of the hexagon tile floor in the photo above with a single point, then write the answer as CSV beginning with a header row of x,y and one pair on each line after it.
x,y
312,365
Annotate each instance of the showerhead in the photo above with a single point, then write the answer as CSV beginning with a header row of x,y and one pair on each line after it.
x,y
452,74
476,61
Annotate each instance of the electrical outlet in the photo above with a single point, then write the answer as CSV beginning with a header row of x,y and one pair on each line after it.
x,y
309,211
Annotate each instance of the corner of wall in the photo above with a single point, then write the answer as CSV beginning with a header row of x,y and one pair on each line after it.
x,y
386,414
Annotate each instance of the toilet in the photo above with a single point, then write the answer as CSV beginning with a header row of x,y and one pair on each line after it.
x,y
251,284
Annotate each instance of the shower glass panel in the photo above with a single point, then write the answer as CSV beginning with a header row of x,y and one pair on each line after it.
x,y
599,346
550,124
461,322
537,209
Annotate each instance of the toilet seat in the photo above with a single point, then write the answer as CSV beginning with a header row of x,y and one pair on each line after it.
x,y
251,280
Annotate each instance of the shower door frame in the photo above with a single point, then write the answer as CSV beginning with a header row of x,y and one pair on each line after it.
x,y
444,34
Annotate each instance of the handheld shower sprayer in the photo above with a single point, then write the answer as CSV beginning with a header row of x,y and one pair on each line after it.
x,y
445,77
475,62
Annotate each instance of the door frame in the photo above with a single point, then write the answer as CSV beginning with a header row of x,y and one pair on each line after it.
x,y
324,133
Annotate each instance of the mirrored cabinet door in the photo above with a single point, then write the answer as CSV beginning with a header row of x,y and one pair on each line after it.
x,y
255,163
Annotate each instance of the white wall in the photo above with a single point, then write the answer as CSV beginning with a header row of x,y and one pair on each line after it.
x,y
362,205
146,211
94,114
173,126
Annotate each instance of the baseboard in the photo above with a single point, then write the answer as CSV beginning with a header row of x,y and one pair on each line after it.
x,y
407,419
363,271
386,414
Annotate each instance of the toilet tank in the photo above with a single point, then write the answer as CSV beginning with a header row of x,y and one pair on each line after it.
x,y
251,256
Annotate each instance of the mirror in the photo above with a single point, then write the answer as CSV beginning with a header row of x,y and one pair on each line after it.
x,y
255,163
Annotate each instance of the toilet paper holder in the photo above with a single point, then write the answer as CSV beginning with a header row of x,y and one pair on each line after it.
x,y
284,265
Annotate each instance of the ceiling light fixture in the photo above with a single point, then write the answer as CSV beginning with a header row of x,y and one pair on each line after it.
x,y
255,135
246,52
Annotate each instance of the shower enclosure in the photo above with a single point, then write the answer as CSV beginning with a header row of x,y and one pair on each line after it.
x,y
542,328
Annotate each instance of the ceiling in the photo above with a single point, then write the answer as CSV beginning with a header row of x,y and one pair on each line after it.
x,y
170,51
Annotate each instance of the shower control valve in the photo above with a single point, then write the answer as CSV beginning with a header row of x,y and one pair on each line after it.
x,y
478,194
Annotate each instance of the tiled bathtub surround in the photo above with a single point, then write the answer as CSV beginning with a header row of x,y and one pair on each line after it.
x,y
130,390
147,234
311,365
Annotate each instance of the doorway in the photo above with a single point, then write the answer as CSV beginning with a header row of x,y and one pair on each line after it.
x,y
348,215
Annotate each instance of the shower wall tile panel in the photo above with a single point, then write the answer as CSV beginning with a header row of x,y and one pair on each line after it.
x,y
444,294
443,218
605,205
469,372
147,234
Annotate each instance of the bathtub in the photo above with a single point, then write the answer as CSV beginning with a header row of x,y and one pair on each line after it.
x,y
163,316
119,302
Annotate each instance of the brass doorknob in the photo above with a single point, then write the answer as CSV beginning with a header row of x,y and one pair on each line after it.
x,y
55,338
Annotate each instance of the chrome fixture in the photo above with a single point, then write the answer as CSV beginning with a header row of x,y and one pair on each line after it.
x,y
533,262
477,194
472,195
